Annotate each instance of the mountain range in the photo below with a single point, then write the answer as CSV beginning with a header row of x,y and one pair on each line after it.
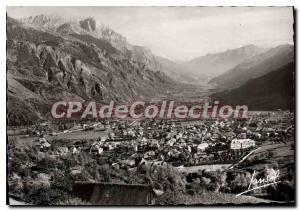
x,y
50,58
89,31
255,66
272,91
212,65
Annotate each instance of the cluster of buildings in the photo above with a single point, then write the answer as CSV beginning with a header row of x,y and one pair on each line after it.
x,y
151,143
180,143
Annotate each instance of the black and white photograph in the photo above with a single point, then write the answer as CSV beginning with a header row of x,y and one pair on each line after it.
x,y
150,106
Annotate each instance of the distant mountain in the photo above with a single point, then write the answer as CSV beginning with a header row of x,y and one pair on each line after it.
x,y
176,71
49,61
272,91
103,37
256,66
195,71
215,64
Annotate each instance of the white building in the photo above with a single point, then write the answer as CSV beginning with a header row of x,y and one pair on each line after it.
x,y
202,147
242,143
44,143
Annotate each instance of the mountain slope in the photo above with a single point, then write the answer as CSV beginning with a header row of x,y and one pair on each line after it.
x,y
176,71
47,66
256,66
195,71
215,64
89,30
272,91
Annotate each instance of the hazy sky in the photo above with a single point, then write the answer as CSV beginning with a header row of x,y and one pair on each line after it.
x,y
182,33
